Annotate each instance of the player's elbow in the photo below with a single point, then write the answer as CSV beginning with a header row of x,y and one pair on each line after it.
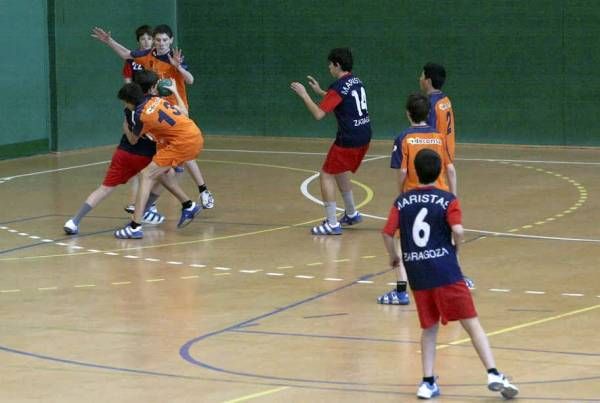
x,y
458,231
189,80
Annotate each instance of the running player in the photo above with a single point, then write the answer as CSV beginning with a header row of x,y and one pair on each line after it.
x,y
347,99
429,221
178,140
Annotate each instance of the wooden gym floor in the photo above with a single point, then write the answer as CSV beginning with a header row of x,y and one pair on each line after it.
x,y
245,305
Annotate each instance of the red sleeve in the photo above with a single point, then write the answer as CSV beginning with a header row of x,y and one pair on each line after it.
x,y
127,70
330,101
392,222
454,214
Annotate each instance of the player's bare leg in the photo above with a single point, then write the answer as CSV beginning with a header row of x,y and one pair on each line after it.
x,y
351,216
71,227
330,226
206,197
428,341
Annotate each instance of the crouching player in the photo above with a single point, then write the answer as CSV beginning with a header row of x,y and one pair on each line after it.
x,y
429,221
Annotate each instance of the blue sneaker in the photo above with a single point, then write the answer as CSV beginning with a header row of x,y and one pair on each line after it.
x,y
129,233
351,220
427,391
469,282
188,214
327,229
394,298
152,217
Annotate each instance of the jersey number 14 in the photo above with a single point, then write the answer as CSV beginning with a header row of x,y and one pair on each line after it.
x,y
361,100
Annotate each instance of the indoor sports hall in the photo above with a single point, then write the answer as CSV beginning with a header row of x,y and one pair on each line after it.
x,y
244,304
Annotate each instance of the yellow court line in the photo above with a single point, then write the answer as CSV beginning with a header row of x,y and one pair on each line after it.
x,y
522,326
255,395
368,198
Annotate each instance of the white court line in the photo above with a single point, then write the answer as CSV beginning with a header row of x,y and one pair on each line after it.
x,y
374,156
309,196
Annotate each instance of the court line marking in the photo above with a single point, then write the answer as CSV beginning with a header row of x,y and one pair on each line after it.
x,y
522,326
255,395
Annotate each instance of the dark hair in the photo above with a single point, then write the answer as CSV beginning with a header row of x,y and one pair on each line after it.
x,y
146,79
131,93
341,56
162,29
141,30
417,106
428,165
436,73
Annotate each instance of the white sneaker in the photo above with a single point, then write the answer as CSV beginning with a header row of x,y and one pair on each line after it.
x,y
152,217
207,200
499,383
427,391
70,228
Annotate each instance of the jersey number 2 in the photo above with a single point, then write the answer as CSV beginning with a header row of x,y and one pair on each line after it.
x,y
361,100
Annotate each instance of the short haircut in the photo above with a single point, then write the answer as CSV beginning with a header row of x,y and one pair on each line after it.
x,y
341,56
436,73
146,79
131,93
143,30
428,165
162,29
417,106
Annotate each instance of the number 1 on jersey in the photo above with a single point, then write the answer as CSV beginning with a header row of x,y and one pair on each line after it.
x,y
164,117
361,101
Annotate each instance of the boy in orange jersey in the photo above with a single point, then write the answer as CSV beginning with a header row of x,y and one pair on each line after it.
x,y
441,115
166,63
178,140
406,146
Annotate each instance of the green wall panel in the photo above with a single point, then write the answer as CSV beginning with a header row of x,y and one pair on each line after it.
x,y
512,66
88,73
24,75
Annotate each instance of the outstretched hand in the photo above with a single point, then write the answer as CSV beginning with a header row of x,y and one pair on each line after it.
x,y
101,34
298,89
177,58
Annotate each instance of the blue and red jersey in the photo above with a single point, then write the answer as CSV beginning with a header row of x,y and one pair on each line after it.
x,y
424,217
347,99
144,146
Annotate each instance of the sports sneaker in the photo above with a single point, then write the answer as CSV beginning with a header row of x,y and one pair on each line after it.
x,y
152,217
207,200
188,214
129,233
394,298
71,228
326,229
351,220
469,282
499,383
427,391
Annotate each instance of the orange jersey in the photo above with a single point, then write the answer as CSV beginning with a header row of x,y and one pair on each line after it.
x,y
441,117
406,147
164,69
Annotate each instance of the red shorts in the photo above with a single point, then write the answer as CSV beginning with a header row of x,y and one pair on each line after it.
x,y
123,166
342,159
445,303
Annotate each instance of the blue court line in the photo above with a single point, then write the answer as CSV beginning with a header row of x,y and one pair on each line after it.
x,y
26,219
325,316
378,340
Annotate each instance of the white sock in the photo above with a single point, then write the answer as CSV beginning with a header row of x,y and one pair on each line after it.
x,y
349,203
331,210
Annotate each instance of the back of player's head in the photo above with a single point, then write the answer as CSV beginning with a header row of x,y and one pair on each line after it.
x,y
131,93
417,106
146,79
143,30
437,74
428,165
162,29
341,56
